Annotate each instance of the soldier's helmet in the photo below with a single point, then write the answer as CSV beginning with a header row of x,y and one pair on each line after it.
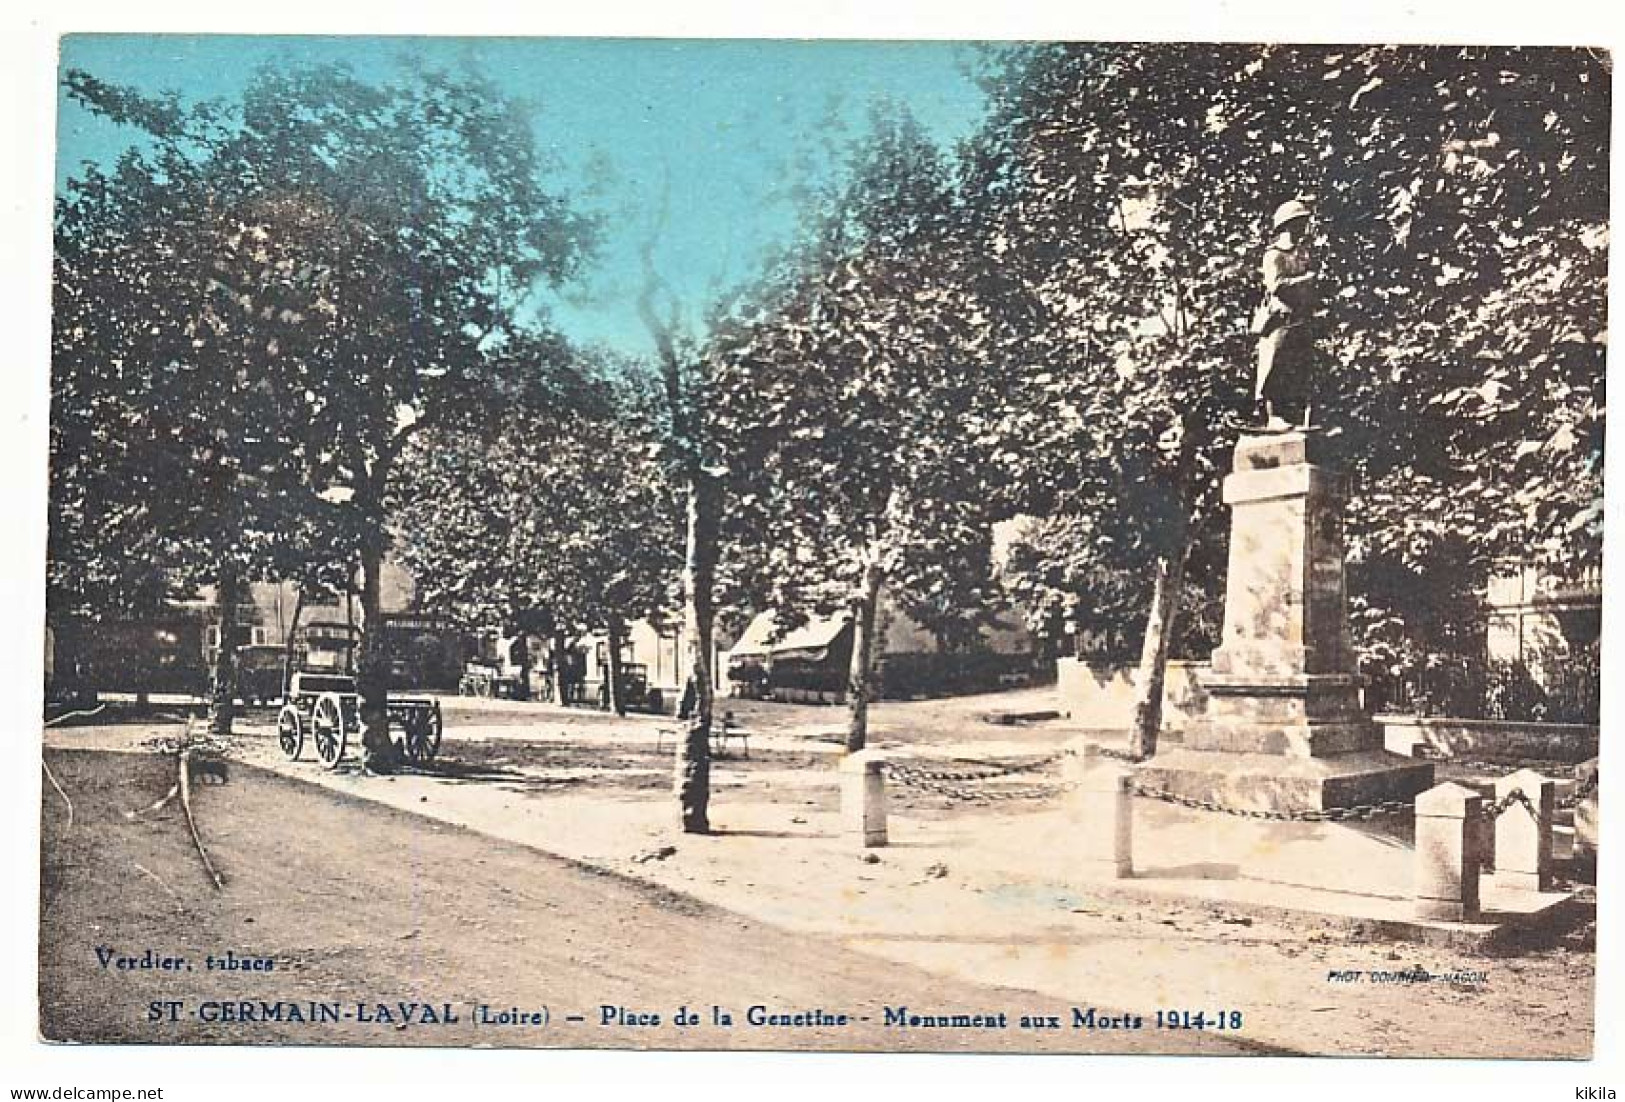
x,y
1289,211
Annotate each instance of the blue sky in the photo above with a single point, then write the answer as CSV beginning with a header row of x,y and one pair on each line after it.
x,y
734,126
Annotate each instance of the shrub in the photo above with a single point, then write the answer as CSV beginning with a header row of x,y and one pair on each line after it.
x,y
905,676
1481,688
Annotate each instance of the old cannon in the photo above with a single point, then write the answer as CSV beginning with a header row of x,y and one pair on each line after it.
x,y
326,708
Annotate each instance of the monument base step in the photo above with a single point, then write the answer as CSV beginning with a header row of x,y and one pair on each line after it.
x,y
1292,740
1272,782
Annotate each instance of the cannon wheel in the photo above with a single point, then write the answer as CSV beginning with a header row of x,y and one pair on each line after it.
x,y
327,729
290,732
423,728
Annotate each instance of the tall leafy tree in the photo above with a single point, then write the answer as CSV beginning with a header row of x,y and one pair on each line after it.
x,y
624,549
172,466
417,220
1122,225
1125,191
539,508
850,395
947,584
478,507
692,456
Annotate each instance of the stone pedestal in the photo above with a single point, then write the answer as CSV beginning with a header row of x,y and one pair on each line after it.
x,y
1284,729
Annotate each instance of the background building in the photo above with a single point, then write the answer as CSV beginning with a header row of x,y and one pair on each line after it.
x,y
812,661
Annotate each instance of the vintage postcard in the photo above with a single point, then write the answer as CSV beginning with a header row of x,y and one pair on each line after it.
x,y
906,546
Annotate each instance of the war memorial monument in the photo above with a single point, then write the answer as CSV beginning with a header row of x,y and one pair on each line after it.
x,y
1285,729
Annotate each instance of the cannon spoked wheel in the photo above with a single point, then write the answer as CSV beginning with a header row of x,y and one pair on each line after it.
x,y
412,734
327,728
437,727
290,732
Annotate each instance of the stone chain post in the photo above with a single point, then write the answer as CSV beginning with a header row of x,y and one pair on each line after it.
x,y
863,797
1484,825
1585,823
1523,832
1447,853
1563,841
1102,810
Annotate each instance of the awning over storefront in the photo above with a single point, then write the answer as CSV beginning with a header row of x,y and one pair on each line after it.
x,y
810,642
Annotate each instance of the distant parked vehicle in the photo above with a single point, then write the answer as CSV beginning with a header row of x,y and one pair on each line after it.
x,y
158,655
260,669
480,679
635,689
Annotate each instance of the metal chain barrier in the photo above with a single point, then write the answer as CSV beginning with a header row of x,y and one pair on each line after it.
x,y
986,771
1516,796
983,795
945,782
1546,767
1582,790
1310,815
951,783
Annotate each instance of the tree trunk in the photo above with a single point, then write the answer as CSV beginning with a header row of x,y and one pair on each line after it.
x,y
561,672
615,697
860,681
520,653
290,642
372,667
1169,580
699,621
1159,629
350,654
223,682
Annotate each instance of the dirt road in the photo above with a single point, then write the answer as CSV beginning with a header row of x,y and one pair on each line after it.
x,y
370,926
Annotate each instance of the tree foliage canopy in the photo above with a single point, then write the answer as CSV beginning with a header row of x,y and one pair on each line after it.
x,y
845,402
1461,236
276,302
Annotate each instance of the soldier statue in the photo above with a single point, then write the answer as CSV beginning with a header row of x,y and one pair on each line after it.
x,y
1283,322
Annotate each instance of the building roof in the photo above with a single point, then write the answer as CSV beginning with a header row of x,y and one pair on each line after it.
x,y
810,640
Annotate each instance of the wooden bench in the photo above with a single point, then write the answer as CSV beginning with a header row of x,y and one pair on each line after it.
x,y
727,729
723,728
